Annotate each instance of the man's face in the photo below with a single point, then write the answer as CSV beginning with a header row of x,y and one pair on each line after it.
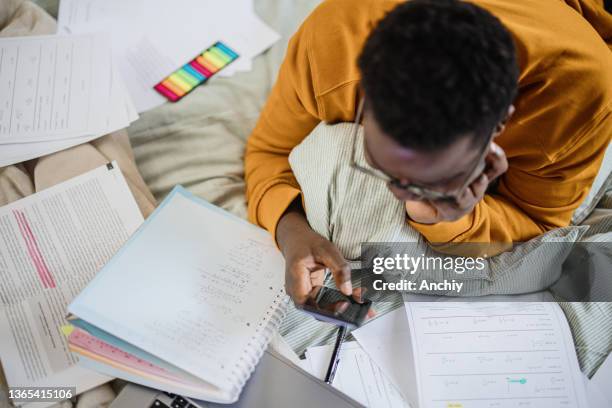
x,y
445,170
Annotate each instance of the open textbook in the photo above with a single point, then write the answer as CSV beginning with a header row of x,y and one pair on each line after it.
x,y
196,295
478,354
52,243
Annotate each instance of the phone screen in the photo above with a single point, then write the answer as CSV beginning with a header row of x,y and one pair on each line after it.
x,y
333,306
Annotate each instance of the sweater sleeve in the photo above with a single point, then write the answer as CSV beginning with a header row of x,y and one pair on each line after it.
x,y
289,115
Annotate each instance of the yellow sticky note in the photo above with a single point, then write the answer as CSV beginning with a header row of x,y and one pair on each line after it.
x,y
213,59
177,81
67,329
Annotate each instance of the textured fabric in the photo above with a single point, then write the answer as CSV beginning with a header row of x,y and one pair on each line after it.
x,y
602,183
591,322
19,18
554,145
349,207
199,141
23,179
591,325
330,187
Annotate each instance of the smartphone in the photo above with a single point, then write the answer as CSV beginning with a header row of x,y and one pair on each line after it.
x,y
333,306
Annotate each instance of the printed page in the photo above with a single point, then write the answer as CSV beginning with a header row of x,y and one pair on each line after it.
x,y
51,245
54,87
205,283
595,395
502,355
121,114
153,38
602,379
357,376
387,341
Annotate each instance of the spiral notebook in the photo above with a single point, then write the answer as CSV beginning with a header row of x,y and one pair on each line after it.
x,y
188,304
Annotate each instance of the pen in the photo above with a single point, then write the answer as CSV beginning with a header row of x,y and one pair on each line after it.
x,y
333,364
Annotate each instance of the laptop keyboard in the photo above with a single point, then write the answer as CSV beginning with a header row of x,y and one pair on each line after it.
x,y
176,401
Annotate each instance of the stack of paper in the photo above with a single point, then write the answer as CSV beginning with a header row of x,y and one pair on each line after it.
x,y
153,38
58,91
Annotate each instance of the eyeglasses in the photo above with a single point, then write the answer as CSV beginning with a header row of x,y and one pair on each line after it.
x,y
417,190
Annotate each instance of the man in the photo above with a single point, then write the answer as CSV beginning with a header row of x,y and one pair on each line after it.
x,y
489,119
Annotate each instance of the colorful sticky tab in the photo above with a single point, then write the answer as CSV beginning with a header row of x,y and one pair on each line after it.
x,y
208,65
197,71
67,329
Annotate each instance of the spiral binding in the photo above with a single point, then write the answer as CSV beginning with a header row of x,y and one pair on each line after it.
x,y
258,343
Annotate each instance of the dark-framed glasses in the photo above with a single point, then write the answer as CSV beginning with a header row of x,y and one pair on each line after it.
x,y
417,190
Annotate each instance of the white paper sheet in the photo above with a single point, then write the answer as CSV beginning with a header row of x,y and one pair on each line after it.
x,y
55,86
62,91
153,38
510,354
602,380
596,397
357,376
52,244
387,341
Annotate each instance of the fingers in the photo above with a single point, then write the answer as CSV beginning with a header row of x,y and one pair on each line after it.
x,y
473,194
358,294
478,188
465,203
497,162
340,307
317,277
307,256
297,283
331,257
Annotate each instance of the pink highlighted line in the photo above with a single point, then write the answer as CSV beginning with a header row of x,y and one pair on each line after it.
x,y
35,255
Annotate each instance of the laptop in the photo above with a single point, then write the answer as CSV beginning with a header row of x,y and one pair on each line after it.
x,y
276,383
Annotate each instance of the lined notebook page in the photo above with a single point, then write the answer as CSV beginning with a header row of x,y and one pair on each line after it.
x,y
195,286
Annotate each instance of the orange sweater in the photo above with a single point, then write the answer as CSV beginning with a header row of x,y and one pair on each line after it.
x,y
555,140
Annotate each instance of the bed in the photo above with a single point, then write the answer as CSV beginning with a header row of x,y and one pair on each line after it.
x,y
199,143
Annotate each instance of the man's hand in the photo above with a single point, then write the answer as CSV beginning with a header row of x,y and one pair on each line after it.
x,y
432,212
307,256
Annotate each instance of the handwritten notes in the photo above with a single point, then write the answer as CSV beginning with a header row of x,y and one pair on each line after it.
x,y
207,286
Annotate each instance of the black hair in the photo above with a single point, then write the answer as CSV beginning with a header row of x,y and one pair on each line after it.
x,y
436,70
